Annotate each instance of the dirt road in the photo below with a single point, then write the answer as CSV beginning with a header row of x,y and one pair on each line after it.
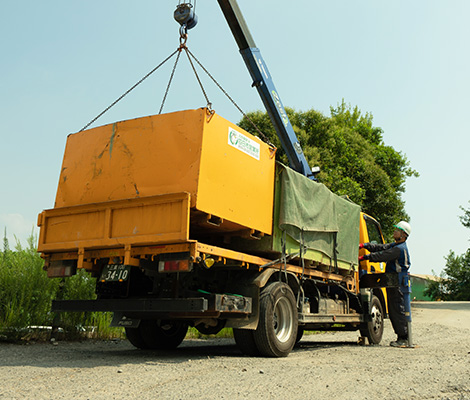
x,y
324,366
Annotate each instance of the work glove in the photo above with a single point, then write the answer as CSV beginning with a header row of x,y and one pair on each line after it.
x,y
364,257
361,245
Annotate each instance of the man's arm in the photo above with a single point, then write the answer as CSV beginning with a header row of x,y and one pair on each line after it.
x,y
374,247
392,253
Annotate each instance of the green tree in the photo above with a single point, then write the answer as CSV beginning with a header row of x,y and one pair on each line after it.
x,y
457,269
352,155
435,289
454,283
465,218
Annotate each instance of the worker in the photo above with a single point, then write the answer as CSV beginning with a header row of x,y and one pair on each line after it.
x,y
397,257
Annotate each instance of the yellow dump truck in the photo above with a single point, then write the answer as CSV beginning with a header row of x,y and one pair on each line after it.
x,y
185,220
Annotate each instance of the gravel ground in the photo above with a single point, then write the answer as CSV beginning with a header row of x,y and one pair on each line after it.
x,y
328,365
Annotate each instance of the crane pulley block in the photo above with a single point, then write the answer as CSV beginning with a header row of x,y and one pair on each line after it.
x,y
185,15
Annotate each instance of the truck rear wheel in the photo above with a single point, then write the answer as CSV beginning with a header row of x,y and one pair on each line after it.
x,y
278,322
245,340
374,329
157,334
135,337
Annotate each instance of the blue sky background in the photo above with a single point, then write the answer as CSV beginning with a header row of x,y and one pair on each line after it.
x,y
405,62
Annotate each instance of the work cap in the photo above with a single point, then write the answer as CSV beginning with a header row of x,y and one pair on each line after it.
x,y
404,226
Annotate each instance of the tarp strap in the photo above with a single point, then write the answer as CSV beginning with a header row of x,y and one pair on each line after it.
x,y
302,248
283,257
302,252
280,260
335,251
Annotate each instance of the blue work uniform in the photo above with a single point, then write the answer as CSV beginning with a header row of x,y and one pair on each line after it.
x,y
397,260
396,255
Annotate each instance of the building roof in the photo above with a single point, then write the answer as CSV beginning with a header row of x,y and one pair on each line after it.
x,y
426,277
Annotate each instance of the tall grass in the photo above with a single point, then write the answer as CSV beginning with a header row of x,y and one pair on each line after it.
x,y
26,295
25,290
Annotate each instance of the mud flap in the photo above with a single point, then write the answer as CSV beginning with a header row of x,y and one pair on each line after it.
x,y
251,320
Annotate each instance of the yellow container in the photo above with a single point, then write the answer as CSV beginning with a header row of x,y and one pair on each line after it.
x,y
228,173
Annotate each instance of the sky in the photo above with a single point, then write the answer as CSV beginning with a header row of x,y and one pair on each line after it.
x,y
405,62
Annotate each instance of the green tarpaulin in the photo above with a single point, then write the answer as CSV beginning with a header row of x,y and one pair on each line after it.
x,y
314,216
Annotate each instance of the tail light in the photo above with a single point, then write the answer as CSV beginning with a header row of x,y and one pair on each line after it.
x,y
62,269
175,266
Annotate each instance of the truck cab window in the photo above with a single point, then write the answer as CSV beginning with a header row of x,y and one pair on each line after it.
x,y
373,230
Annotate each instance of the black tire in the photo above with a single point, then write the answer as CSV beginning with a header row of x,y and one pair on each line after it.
x,y
157,334
278,321
374,329
245,340
135,337
300,334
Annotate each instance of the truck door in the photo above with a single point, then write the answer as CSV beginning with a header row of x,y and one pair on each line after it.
x,y
370,232
374,235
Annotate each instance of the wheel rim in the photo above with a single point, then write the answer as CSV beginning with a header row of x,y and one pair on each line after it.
x,y
376,319
283,319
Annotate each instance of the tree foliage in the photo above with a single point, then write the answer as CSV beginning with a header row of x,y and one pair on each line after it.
x,y
465,218
454,283
352,155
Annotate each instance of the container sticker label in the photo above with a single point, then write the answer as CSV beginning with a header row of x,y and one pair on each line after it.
x,y
243,143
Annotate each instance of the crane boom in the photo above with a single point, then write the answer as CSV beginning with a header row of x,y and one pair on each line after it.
x,y
263,82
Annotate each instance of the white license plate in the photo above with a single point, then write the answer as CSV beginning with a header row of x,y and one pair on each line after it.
x,y
115,273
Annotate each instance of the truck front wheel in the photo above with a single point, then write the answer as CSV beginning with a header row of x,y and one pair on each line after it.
x,y
374,329
278,322
157,334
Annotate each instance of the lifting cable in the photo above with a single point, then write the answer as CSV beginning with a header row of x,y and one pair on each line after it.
x,y
209,104
182,46
171,79
261,134
128,91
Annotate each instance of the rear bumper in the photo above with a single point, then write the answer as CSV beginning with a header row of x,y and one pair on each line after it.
x,y
217,305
